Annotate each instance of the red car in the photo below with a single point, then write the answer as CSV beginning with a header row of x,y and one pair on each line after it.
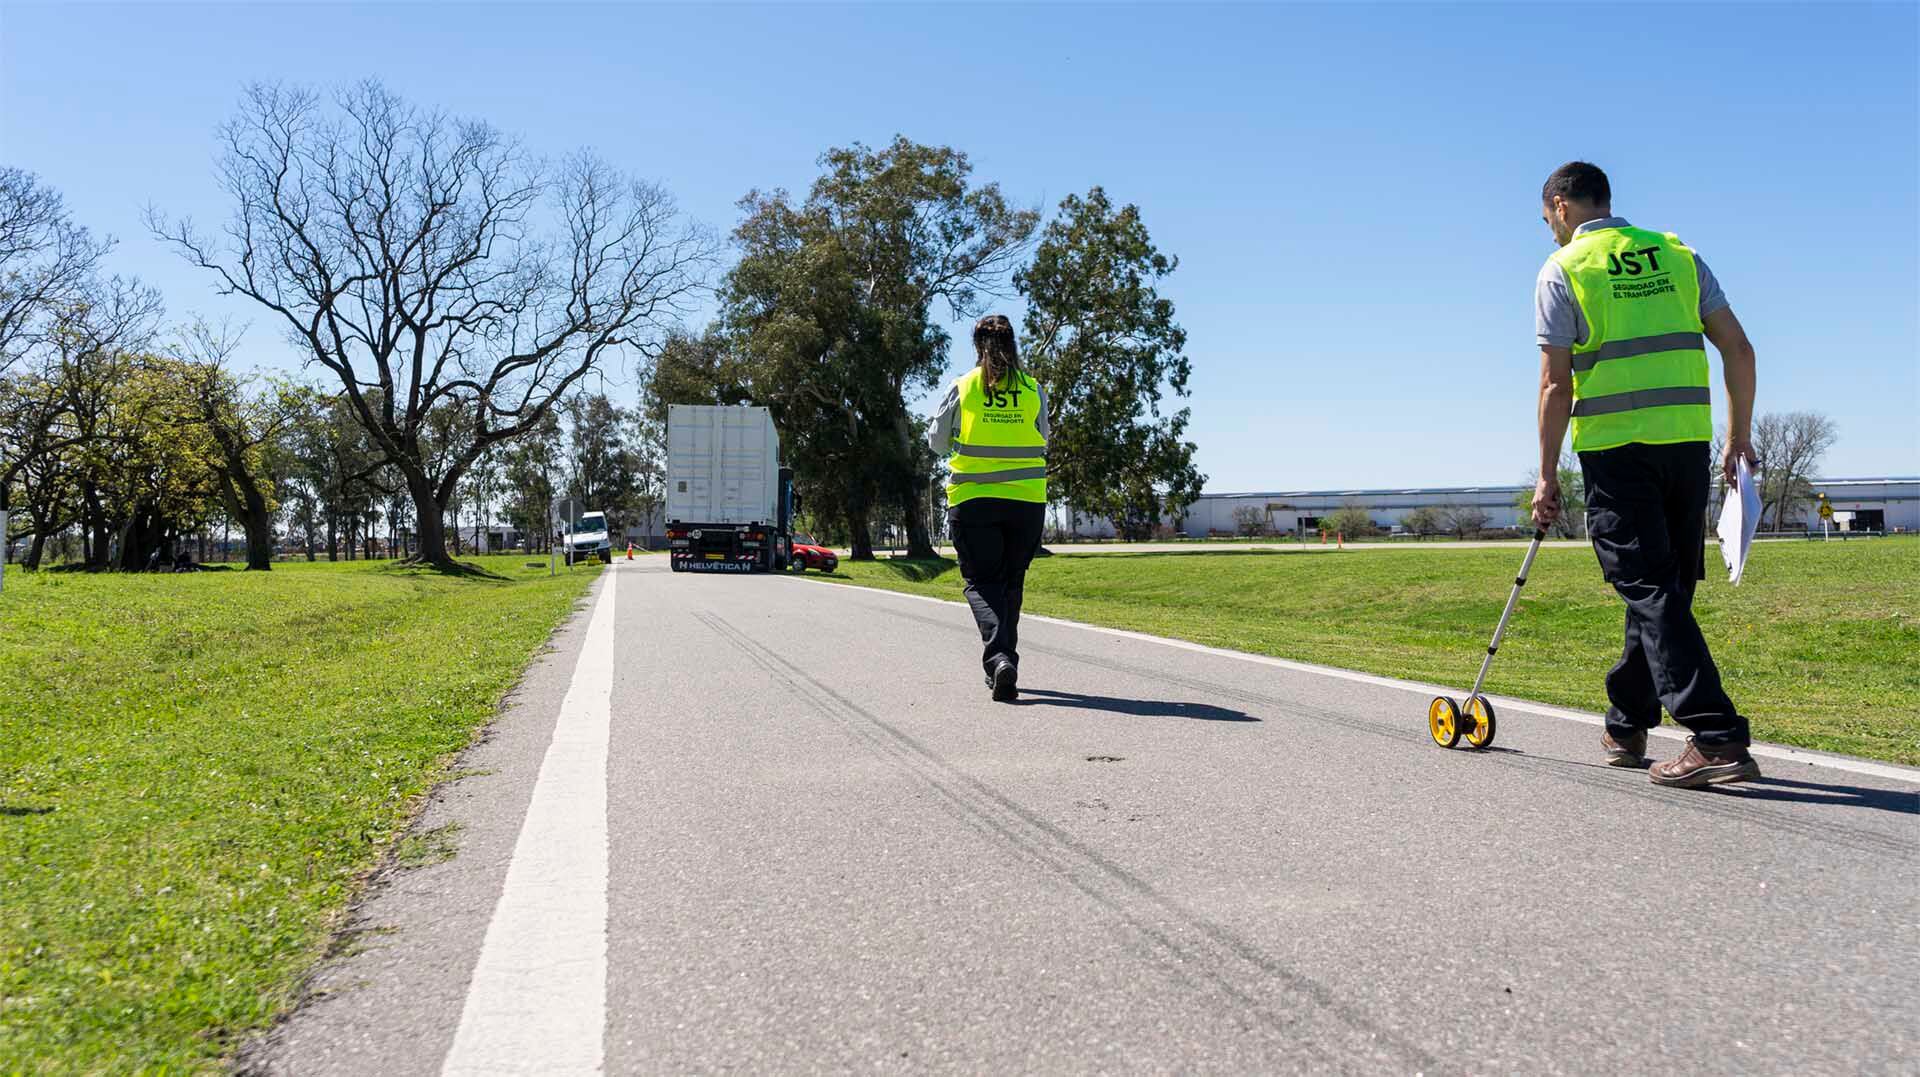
x,y
809,554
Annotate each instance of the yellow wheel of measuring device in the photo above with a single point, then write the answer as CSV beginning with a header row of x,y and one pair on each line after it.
x,y
1443,721
1480,714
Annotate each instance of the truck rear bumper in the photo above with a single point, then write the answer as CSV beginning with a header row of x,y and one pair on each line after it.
x,y
703,564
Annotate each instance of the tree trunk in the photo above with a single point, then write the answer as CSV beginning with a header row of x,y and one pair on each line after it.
x,y
244,500
97,528
33,551
138,539
258,522
919,537
430,524
913,491
859,535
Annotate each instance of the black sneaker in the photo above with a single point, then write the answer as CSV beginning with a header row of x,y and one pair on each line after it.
x,y
1005,682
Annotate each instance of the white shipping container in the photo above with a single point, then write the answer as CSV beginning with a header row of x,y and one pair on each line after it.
x,y
723,465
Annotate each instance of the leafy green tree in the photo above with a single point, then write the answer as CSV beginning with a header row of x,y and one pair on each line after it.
x,y
831,310
599,470
66,349
336,460
1350,520
147,467
249,428
530,470
1425,520
1106,348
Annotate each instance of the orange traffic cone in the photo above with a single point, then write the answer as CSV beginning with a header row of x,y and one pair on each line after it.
x,y
629,549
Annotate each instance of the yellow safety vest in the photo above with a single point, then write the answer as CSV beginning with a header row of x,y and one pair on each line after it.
x,y
998,450
1641,374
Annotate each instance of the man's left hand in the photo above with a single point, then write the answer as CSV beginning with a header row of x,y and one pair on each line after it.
x,y
1546,502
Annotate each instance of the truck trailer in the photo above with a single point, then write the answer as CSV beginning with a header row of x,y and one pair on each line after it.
x,y
729,502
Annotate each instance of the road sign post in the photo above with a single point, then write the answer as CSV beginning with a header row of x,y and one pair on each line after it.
x,y
565,512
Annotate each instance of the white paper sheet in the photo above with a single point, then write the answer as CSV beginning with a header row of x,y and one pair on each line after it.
x,y
1739,518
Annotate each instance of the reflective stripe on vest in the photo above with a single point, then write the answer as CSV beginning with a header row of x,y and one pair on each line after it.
x,y
1009,475
1639,398
1626,349
997,449
998,452
1641,375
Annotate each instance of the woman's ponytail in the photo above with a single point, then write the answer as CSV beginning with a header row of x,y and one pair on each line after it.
x,y
993,342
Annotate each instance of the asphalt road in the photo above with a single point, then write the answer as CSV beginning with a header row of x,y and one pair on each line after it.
x,y
825,849
1271,546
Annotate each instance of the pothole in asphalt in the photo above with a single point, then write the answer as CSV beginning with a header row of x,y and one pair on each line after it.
x,y
1105,758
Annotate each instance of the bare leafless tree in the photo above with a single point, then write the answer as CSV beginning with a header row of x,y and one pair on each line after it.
x,y
1251,520
1788,446
434,266
1465,521
46,260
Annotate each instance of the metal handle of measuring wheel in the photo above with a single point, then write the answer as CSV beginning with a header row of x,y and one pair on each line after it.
x,y
1513,599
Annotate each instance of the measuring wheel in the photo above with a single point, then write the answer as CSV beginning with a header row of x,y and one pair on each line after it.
x,y
1480,721
1443,721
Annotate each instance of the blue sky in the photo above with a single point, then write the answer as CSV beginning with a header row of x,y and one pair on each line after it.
x,y
1352,190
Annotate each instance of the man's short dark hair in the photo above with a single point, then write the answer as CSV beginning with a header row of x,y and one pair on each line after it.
x,y
1578,181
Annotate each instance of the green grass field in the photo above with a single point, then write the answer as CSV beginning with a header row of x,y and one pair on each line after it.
x,y
1819,645
198,771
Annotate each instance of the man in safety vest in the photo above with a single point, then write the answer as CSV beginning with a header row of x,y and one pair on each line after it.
x,y
992,428
1620,313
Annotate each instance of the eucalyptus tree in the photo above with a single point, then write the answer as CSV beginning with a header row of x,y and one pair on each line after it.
x,y
1104,345
834,309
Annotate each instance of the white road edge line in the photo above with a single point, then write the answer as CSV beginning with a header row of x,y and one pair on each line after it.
x,y
1890,771
538,999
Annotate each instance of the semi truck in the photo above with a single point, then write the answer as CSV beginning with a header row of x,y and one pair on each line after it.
x,y
730,504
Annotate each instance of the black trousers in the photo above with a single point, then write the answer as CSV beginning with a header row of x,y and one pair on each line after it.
x,y
996,539
1647,516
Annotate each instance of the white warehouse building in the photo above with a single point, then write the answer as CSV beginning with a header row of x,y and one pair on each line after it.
x,y
1885,504
1891,504
1291,512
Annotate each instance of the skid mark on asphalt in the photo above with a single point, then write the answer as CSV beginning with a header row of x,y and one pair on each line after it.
x,y
1608,780
1188,946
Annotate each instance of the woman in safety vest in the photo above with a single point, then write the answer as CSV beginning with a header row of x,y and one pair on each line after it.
x,y
993,429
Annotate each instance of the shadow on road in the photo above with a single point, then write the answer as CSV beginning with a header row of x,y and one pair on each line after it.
x,y
1854,796
1143,708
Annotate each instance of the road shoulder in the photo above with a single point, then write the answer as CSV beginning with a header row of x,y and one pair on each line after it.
x,y
388,996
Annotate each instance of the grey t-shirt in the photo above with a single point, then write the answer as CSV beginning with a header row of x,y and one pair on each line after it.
x,y
1557,321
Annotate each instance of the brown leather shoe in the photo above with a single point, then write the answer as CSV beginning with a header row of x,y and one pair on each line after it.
x,y
1630,752
1700,766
